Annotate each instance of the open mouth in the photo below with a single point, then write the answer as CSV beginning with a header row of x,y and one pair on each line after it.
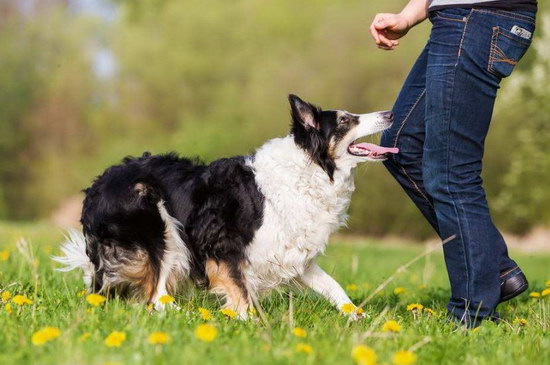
x,y
371,150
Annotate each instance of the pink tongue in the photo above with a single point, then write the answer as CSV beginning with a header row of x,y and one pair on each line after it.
x,y
376,149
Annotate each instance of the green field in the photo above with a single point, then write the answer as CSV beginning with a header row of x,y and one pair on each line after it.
x,y
359,266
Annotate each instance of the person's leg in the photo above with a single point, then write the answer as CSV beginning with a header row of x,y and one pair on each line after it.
x,y
460,95
407,134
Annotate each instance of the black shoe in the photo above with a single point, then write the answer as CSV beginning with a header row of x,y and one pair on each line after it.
x,y
513,286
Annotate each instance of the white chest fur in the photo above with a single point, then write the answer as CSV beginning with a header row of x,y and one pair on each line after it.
x,y
302,208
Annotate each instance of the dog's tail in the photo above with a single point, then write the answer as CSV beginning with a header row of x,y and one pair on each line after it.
x,y
74,255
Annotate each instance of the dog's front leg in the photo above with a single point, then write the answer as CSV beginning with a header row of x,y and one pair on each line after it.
x,y
317,279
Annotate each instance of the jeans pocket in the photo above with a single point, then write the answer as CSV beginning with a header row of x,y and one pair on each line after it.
x,y
456,15
507,48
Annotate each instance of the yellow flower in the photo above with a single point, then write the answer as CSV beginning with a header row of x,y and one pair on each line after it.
x,y
398,290
364,355
95,299
81,293
205,314
548,283
534,294
352,287
521,321
415,307
4,255
158,338
7,307
44,335
391,326
206,332
404,358
166,299
115,339
299,332
21,300
545,292
84,337
252,311
303,347
430,311
228,312
6,295
476,329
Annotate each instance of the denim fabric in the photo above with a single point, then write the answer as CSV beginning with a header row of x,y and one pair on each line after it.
x,y
442,117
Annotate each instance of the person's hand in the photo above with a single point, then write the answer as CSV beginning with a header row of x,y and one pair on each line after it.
x,y
386,29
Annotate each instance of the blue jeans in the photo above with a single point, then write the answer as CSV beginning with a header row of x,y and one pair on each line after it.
x,y
442,117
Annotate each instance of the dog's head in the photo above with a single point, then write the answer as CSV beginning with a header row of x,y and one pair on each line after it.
x,y
330,137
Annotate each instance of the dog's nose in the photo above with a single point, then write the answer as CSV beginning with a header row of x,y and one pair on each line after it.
x,y
388,115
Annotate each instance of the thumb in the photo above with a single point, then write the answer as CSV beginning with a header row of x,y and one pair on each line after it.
x,y
385,22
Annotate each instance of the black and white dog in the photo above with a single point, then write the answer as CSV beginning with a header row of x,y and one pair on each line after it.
x,y
238,226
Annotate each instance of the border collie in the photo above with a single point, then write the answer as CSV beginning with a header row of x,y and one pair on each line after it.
x,y
238,226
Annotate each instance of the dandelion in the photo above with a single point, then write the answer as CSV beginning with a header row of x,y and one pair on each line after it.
x,y
476,329
205,314
81,293
150,307
6,295
252,311
4,255
95,299
84,337
545,292
115,339
299,332
352,287
44,335
399,290
230,313
548,283
158,338
404,358
415,307
350,308
534,294
304,347
21,300
391,326
166,299
7,307
430,311
206,332
364,355
520,321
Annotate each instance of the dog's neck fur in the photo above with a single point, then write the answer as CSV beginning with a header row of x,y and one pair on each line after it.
x,y
303,207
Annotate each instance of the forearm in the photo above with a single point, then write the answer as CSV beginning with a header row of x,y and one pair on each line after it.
x,y
416,11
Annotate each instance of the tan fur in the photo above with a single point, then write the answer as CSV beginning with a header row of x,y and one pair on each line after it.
x,y
141,276
222,283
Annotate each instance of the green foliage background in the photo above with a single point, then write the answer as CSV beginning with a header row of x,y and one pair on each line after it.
x,y
211,78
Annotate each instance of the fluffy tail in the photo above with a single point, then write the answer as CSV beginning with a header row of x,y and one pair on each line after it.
x,y
74,251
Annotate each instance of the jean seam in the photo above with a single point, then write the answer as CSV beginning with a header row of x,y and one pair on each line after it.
x,y
447,172
395,145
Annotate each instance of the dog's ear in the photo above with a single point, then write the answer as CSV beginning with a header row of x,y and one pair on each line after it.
x,y
303,113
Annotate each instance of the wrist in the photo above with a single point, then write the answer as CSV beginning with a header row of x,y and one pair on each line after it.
x,y
412,18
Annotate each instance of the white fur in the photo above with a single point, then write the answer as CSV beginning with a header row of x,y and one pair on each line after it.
x,y
302,208
176,262
74,255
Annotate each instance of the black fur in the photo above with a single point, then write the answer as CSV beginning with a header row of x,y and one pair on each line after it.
x,y
219,206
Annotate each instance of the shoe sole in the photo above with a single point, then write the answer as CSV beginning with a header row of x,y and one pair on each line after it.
x,y
514,294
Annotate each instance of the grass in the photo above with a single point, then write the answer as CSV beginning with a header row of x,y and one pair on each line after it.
x,y
56,302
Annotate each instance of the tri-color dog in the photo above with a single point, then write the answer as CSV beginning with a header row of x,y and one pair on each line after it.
x,y
238,226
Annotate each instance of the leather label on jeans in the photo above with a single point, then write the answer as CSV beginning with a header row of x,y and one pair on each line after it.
x,y
520,32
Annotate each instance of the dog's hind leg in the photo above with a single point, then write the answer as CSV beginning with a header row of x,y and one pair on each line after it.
x,y
226,279
175,262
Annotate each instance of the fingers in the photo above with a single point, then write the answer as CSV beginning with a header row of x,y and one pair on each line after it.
x,y
378,29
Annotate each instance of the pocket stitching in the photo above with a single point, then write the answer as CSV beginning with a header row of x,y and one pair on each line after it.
x,y
495,50
438,15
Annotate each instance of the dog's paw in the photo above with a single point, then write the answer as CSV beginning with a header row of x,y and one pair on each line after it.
x,y
352,312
